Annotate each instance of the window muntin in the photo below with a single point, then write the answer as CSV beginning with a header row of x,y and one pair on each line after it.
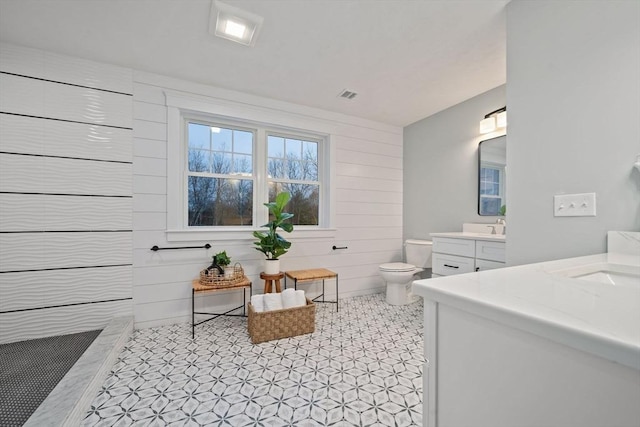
x,y
219,176
292,166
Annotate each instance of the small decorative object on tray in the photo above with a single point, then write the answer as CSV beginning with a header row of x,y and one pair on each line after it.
x,y
231,276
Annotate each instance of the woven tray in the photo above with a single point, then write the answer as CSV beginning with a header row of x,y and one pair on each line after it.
x,y
277,324
212,278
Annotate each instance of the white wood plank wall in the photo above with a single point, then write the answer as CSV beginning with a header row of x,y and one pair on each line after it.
x,y
78,169
65,193
368,205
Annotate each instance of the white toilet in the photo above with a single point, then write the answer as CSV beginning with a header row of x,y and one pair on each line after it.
x,y
399,275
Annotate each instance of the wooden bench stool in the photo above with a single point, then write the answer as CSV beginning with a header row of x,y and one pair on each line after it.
x,y
271,281
196,288
307,276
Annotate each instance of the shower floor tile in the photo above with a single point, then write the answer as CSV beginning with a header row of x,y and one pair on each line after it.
x,y
362,366
30,369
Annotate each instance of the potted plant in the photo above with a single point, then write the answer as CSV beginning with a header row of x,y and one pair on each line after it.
x,y
270,243
220,261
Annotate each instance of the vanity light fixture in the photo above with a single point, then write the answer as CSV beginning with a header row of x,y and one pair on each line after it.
x,y
487,125
501,119
234,24
494,120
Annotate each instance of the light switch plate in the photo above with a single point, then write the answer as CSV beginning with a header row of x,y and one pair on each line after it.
x,y
574,204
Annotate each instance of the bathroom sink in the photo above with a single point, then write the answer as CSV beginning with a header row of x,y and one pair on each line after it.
x,y
608,273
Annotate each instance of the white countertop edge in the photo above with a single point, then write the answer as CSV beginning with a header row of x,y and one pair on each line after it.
x,y
462,291
603,346
471,236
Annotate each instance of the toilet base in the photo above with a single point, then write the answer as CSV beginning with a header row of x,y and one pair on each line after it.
x,y
399,294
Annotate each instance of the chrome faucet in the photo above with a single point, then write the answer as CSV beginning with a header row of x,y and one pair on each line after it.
x,y
493,228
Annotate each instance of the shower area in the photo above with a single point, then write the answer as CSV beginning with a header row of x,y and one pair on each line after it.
x,y
66,212
30,370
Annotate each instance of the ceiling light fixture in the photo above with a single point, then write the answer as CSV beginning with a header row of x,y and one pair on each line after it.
x,y
494,120
234,29
234,24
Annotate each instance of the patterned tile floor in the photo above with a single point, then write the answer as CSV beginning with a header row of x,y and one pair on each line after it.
x,y
361,367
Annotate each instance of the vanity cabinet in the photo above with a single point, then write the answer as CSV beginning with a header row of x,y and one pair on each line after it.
x,y
465,254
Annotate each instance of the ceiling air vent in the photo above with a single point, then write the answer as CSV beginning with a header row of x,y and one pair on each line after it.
x,y
347,94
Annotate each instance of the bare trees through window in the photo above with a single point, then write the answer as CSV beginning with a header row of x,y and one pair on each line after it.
x,y
293,167
220,177
220,184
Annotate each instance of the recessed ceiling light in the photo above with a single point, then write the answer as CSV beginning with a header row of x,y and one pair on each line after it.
x,y
234,24
234,29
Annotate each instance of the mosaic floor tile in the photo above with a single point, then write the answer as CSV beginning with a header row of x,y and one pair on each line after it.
x,y
361,367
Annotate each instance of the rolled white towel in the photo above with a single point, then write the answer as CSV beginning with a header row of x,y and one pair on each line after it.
x,y
289,298
257,301
272,302
300,298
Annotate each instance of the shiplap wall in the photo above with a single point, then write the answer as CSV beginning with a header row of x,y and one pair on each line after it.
x,y
65,193
66,209
367,174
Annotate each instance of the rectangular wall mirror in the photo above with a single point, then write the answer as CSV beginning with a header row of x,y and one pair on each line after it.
x,y
492,164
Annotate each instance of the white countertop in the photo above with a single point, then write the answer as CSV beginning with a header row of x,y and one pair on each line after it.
x,y
597,318
471,236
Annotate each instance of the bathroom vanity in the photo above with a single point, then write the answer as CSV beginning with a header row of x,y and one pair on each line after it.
x,y
555,343
469,250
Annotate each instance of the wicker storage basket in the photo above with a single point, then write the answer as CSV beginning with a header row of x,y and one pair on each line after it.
x,y
276,324
214,279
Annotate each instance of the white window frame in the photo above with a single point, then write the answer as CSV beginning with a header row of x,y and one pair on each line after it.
x,y
321,160
181,108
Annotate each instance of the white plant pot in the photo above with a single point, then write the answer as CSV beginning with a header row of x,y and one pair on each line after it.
x,y
271,266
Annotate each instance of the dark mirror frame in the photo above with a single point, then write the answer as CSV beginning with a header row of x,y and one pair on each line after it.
x,y
491,181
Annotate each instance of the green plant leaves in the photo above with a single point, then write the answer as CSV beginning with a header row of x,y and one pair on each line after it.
x,y
222,259
282,199
271,243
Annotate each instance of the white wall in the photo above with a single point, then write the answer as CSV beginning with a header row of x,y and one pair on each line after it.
x,y
65,194
367,178
573,73
56,244
441,167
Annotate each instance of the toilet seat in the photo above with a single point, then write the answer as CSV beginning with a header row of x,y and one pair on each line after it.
x,y
397,266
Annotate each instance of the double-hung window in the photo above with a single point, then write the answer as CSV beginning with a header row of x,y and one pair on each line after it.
x,y
225,161
292,166
219,175
230,169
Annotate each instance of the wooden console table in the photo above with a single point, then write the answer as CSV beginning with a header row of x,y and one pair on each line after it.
x,y
198,288
313,275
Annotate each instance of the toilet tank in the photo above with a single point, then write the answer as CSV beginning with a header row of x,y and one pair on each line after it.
x,y
418,252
